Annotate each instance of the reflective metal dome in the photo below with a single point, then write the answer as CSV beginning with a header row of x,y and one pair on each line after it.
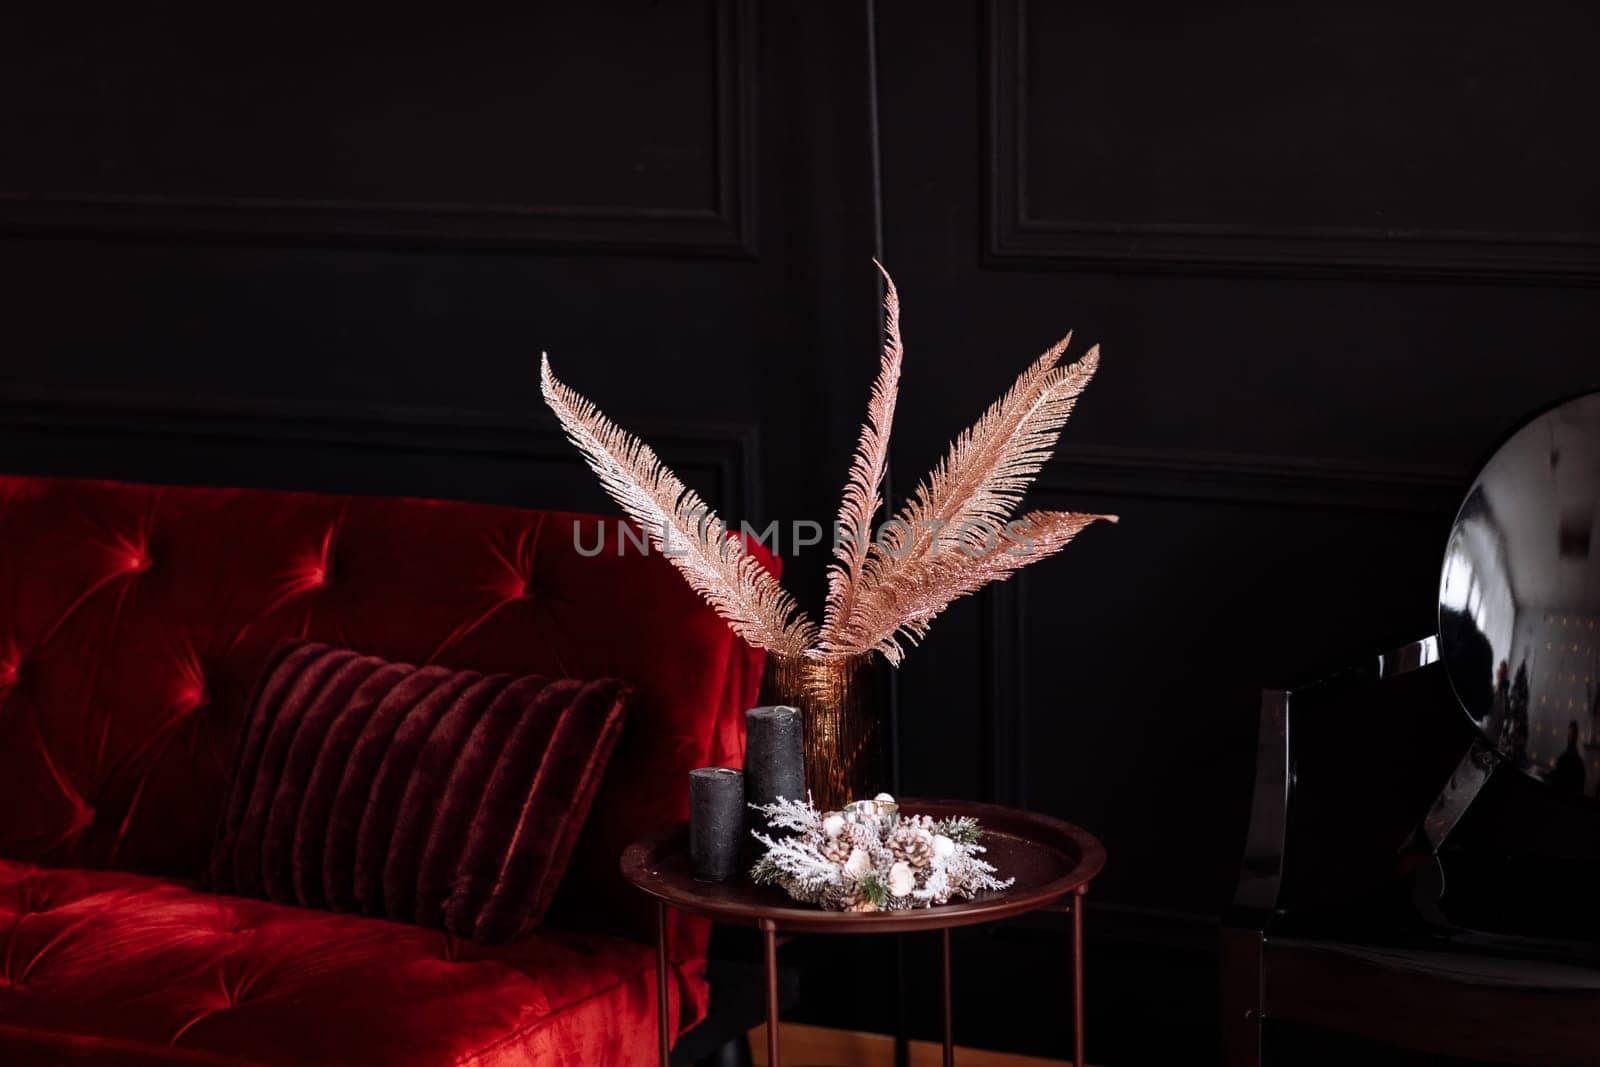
x,y
1519,598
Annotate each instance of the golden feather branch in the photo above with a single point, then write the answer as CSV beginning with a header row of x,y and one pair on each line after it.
x,y
681,526
899,609
991,464
863,488
961,506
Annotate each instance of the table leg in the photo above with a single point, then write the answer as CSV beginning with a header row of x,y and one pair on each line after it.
x,y
661,983
769,933
949,1015
1077,979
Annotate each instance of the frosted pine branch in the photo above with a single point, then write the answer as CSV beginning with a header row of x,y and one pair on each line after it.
x,y
801,861
791,815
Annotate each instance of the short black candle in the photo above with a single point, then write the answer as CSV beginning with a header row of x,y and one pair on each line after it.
x,y
716,822
774,755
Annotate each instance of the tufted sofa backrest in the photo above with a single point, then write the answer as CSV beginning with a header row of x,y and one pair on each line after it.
x,y
134,621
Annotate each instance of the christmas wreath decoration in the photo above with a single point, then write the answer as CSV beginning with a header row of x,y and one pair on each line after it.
x,y
869,858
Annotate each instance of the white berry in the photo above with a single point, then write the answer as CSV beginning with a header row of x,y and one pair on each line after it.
x,y
858,864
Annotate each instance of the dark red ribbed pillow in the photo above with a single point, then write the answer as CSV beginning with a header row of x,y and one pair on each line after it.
x,y
425,795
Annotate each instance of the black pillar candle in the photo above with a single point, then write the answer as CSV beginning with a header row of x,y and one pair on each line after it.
x,y
716,822
774,755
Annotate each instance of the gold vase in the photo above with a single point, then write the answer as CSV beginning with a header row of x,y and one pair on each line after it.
x,y
844,732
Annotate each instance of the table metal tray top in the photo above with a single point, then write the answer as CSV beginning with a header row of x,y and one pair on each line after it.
x,y
1052,861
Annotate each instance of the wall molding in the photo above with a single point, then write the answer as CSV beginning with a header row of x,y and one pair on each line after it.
x,y
1016,238
1002,687
721,459
1080,472
725,230
1255,479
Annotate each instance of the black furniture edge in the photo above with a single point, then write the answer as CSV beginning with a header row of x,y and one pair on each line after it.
x,y
1243,948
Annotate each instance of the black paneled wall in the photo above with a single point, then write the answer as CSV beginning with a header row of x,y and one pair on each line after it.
x,y
1330,253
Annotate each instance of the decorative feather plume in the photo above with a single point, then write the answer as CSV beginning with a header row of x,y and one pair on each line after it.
x,y
681,526
915,568
863,489
899,609
982,478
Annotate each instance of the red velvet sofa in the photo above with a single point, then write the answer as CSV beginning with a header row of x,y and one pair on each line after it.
x,y
133,623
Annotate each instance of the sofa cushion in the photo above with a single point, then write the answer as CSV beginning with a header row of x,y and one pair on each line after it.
x,y
446,798
104,967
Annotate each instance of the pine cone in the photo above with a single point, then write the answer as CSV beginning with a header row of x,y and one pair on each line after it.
x,y
911,845
860,836
837,849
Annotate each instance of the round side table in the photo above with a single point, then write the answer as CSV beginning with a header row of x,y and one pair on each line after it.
x,y
1053,863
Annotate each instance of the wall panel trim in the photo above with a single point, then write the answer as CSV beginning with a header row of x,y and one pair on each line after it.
x,y
725,230
716,458
1254,479
1002,686
1016,238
